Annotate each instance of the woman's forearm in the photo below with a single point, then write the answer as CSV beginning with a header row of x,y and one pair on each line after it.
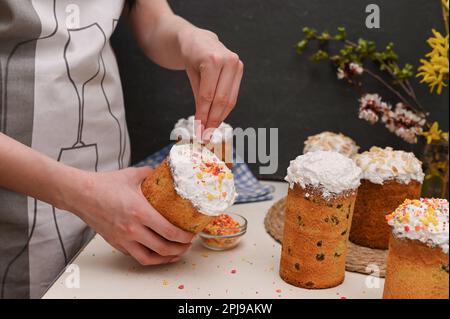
x,y
158,31
214,72
27,171
109,202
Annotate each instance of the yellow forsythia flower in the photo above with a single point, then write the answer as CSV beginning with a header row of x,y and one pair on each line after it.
x,y
434,69
437,169
435,134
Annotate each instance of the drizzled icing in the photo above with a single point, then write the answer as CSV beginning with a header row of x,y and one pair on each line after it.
x,y
425,220
202,178
330,172
329,141
380,165
184,129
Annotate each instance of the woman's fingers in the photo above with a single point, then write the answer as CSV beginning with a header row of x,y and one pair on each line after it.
x,y
194,79
209,76
155,221
234,92
215,73
223,90
121,249
116,245
218,86
146,257
158,244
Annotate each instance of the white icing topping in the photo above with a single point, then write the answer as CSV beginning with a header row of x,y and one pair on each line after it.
x,y
202,178
425,220
331,172
380,165
184,129
329,141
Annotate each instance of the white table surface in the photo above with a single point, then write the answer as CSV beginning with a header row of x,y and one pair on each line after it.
x,y
247,271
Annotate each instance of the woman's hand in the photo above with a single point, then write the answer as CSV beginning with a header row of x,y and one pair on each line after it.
x,y
215,74
113,205
111,202
214,71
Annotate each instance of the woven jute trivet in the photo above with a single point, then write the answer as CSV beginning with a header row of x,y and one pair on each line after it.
x,y
359,259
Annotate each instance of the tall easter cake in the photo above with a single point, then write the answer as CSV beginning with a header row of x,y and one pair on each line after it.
x,y
319,209
190,187
389,177
417,265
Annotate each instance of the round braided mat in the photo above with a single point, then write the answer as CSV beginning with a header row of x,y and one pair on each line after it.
x,y
359,259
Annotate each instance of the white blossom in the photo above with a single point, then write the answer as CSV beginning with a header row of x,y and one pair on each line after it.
x,y
355,68
401,121
369,116
404,123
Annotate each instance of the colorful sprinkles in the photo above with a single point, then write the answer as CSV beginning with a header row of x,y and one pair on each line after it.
x,y
202,178
222,225
212,168
424,219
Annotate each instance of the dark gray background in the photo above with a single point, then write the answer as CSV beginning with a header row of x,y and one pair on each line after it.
x,y
279,89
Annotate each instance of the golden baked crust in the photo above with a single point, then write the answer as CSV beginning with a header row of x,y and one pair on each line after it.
x,y
373,203
315,238
159,190
415,271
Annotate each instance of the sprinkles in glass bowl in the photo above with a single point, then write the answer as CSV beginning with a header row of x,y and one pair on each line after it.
x,y
224,232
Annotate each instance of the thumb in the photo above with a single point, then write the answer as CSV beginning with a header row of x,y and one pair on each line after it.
x,y
142,172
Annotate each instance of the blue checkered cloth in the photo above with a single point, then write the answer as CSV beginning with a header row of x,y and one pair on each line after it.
x,y
249,189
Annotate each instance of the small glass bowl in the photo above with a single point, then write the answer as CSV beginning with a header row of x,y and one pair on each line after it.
x,y
231,236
